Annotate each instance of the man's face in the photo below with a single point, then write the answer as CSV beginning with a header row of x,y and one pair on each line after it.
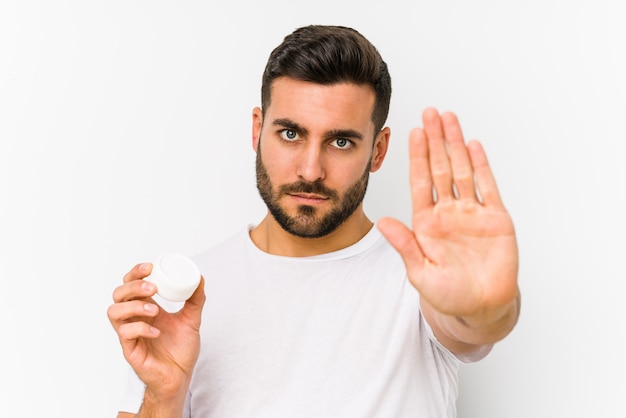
x,y
309,221
314,159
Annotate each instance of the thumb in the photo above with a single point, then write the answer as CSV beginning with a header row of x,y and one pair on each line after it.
x,y
403,240
193,305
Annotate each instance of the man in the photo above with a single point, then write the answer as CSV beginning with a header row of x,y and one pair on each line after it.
x,y
312,312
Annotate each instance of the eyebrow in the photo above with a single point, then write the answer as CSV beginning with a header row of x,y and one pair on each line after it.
x,y
289,124
334,133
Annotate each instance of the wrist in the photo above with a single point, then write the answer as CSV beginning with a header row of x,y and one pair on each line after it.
x,y
491,325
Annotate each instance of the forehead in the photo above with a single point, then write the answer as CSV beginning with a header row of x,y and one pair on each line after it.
x,y
340,105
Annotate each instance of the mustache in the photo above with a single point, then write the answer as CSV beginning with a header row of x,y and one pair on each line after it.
x,y
316,187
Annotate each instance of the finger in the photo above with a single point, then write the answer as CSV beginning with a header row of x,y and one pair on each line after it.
x,y
134,290
193,305
131,331
132,311
198,297
486,182
462,171
138,272
419,168
403,240
438,155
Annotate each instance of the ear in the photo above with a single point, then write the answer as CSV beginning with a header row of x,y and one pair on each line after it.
x,y
381,145
257,124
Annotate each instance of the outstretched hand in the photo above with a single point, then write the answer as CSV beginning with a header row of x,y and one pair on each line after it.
x,y
461,253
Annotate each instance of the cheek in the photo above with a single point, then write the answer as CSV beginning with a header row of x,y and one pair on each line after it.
x,y
278,165
350,172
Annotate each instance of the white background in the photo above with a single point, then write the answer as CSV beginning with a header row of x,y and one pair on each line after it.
x,y
125,133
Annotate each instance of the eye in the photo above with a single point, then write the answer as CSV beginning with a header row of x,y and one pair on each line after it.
x,y
342,143
288,134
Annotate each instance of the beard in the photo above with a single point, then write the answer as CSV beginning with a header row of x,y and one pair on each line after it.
x,y
307,223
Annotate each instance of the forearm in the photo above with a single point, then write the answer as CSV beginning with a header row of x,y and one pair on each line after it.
x,y
464,334
155,406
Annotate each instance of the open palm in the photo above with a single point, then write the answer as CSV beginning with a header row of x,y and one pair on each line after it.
x,y
461,253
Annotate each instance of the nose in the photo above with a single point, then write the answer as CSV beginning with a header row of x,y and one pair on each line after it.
x,y
311,165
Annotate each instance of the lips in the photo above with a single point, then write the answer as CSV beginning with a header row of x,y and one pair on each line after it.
x,y
309,198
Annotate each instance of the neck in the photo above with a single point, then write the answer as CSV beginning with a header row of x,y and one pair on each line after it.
x,y
271,238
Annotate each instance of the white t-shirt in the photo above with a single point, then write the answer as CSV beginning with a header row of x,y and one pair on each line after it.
x,y
334,335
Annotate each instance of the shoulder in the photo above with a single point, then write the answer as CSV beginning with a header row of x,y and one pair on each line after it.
x,y
379,251
225,252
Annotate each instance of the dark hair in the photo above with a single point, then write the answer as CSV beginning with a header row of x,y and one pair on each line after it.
x,y
329,55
